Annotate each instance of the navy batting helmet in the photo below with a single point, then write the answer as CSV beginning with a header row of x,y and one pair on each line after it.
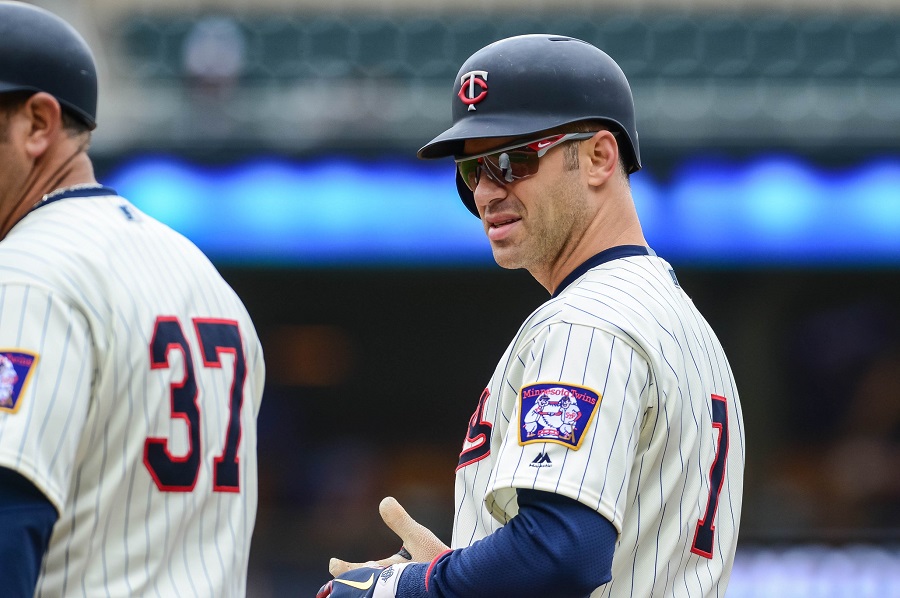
x,y
41,52
523,85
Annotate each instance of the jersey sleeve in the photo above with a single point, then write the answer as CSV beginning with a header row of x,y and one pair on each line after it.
x,y
46,366
582,397
26,522
553,547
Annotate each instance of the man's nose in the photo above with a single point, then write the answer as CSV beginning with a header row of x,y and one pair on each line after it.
x,y
488,190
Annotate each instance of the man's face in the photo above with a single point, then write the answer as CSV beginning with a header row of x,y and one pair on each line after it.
x,y
5,151
7,154
14,165
531,222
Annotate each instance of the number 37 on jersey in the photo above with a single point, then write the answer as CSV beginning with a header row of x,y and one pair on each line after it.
x,y
214,338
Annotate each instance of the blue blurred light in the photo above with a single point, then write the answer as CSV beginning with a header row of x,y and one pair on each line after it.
x,y
774,209
874,193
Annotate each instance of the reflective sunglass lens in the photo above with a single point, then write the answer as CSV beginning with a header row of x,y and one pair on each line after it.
x,y
470,172
506,166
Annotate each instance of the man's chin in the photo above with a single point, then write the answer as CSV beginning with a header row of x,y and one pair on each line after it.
x,y
505,258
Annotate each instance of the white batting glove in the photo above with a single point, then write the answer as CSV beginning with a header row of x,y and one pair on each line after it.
x,y
365,582
419,544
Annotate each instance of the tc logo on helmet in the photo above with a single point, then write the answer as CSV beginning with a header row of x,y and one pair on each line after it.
x,y
468,82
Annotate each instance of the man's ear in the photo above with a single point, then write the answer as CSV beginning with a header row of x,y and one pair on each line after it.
x,y
602,159
45,117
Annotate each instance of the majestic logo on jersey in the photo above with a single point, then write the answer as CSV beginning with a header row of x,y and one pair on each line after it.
x,y
15,371
556,412
468,84
542,460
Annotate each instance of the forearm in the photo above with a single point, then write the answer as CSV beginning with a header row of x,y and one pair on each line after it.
x,y
553,547
26,521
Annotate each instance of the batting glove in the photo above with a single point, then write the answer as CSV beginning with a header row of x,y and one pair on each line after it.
x,y
419,544
364,582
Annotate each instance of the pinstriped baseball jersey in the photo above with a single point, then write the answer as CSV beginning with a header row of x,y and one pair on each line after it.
x,y
138,417
618,394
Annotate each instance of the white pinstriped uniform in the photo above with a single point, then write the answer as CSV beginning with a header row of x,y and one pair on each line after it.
x,y
111,302
626,331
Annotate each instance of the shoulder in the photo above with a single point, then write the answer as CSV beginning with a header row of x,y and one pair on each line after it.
x,y
81,246
32,251
638,283
622,297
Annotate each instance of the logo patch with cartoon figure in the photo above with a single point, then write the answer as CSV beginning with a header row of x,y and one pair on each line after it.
x,y
556,412
15,371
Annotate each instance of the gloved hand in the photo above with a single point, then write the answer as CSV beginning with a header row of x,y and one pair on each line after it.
x,y
419,544
364,582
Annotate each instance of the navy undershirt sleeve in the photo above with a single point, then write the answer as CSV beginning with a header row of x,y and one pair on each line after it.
x,y
555,546
26,520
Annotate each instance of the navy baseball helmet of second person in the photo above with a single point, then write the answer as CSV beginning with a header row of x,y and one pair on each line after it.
x,y
41,52
523,85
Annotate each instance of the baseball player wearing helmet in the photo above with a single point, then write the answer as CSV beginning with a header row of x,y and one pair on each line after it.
x,y
606,455
131,372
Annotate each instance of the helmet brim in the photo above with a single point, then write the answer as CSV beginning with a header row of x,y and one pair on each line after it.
x,y
451,141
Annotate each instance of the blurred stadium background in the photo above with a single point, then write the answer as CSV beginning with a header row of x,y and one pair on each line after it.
x,y
280,135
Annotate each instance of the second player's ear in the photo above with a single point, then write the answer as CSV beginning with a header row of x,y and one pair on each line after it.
x,y
45,117
601,153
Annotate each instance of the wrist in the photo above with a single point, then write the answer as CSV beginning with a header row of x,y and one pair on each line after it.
x,y
388,581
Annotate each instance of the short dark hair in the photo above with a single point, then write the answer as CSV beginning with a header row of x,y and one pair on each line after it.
x,y
11,100
9,103
73,123
585,126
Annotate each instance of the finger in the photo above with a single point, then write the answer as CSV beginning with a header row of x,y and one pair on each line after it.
x,y
396,518
338,567
417,538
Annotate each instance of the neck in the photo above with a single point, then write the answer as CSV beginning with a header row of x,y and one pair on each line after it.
x,y
67,167
614,224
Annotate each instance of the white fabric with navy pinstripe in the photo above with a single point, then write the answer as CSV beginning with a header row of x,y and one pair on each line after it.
x,y
628,332
112,302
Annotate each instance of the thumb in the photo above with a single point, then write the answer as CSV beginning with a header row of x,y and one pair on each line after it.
x,y
417,539
396,518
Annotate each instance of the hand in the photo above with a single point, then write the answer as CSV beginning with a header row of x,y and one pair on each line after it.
x,y
364,582
419,544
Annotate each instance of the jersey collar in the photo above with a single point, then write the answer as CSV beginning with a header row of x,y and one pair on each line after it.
x,y
91,190
607,255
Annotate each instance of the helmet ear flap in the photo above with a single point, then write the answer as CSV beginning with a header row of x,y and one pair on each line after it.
x,y
466,194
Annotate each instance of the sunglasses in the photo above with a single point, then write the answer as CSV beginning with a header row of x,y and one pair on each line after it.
x,y
512,163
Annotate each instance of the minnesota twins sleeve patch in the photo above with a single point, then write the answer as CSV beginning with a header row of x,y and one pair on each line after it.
x,y
15,370
556,412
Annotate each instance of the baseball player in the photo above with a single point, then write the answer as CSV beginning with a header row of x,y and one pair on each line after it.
x,y
606,455
131,372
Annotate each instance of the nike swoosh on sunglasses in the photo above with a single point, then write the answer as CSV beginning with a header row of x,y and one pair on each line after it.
x,y
511,163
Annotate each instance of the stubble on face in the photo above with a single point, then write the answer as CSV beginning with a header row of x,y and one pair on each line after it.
x,y
554,216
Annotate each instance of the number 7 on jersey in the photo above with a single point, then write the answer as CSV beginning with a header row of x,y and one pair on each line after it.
x,y
703,536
